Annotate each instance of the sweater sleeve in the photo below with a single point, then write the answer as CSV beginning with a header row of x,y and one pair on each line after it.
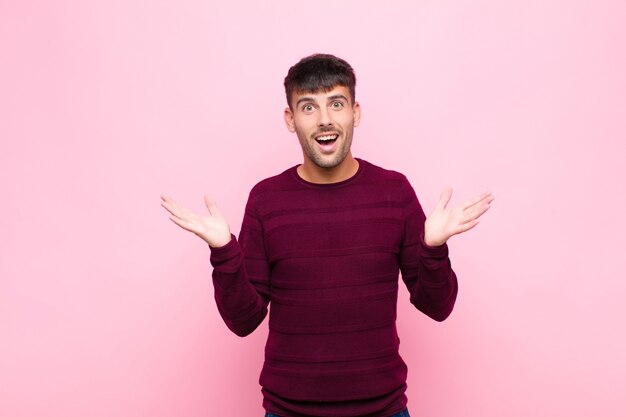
x,y
241,276
426,270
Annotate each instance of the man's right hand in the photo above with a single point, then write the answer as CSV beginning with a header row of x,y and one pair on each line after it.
x,y
213,229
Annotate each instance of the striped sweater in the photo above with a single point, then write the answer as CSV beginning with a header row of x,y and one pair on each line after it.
x,y
326,259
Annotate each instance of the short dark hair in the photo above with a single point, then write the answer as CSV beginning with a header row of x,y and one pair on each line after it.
x,y
319,72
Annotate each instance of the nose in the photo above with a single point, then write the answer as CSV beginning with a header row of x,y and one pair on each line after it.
x,y
324,117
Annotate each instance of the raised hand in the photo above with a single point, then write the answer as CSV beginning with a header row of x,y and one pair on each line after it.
x,y
444,222
213,229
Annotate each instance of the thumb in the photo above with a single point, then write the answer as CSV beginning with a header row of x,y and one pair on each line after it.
x,y
446,195
211,205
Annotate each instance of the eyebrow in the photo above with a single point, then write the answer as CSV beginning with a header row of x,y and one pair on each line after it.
x,y
304,99
338,96
330,98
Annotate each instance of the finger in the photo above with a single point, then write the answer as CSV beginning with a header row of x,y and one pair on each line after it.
x,y
169,202
168,199
184,224
446,195
181,212
467,226
476,200
167,207
475,213
211,205
173,208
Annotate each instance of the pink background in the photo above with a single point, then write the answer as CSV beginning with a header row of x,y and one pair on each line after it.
x,y
106,307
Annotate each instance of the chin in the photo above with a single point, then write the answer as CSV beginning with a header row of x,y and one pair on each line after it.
x,y
329,164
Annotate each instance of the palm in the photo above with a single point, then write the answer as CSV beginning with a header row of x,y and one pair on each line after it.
x,y
212,228
445,222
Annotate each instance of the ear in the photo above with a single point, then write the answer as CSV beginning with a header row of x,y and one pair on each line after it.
x,y
289,120
356,112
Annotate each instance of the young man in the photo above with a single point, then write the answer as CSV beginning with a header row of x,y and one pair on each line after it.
x,y
324,242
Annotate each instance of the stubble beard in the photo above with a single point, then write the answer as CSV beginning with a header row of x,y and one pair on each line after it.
x,y
318,158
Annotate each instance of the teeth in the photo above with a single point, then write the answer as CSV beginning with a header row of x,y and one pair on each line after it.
x,y
327,138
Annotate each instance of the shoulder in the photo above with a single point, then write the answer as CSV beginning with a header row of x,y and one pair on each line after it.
x,y
385,177
275,191
390,188
392,185
274,183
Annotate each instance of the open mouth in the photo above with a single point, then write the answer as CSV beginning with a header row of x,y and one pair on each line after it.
x,y
326,139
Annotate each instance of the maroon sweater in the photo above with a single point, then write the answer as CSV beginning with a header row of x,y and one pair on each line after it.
x,y
327,257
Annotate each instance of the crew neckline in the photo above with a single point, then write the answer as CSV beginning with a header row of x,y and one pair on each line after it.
x,y
294,171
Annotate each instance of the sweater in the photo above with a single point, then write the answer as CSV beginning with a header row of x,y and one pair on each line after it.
x,y
326,259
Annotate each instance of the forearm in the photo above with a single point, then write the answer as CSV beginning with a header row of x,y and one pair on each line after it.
x,y
242,305
437,286
426,270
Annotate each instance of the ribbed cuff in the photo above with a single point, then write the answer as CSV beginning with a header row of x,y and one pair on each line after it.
x,y
433,256
223,254
435,251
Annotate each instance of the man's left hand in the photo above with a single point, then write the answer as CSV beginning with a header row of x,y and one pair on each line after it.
x,y
444,222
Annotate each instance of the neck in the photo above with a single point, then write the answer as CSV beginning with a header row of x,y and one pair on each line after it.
x,y
310,172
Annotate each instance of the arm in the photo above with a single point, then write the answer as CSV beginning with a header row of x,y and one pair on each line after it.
x,y
241,283
426,270
424,261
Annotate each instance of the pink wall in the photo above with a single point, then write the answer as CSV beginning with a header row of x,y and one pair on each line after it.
x,y
106,307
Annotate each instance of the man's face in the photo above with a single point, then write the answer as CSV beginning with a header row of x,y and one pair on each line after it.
x,y
324,123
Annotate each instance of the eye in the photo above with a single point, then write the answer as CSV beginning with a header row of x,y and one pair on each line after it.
x,y
337,105
307,108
